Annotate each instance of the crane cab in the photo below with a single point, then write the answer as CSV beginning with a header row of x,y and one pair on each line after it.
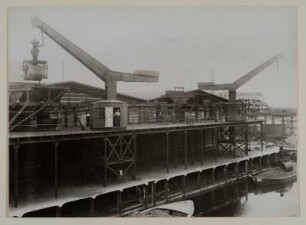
x,y
111,114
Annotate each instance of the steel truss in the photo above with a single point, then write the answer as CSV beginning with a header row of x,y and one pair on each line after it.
x,y
232,139
117,156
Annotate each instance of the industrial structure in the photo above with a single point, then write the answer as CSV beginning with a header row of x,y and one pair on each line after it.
x,y
79,150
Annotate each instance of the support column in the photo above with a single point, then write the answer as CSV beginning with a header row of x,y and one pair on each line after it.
x,y
184,186
216,143
225,194
166,190
199,180
201,146
153,193
56,144
236,169
246,167
16,175
134,156
225,172
185,148
284,126
91,207
213,201
261,136
105,160
167,151
246,190
192,149
175,152
145,196
58,212
119,202
268,161
234,141
213,175
246,142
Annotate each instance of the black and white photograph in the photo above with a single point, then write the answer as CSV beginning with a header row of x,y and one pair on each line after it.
x,y
152,111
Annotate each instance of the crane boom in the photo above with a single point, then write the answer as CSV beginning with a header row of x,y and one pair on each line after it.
x,y
101,71
242,80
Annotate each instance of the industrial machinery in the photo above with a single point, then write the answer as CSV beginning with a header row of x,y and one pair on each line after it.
x,y
234,106
110,77
35,70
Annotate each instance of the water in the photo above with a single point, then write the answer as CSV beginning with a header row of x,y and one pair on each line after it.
x,y
247,200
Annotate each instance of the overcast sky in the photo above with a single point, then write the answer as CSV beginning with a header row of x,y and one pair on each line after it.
x,y
182,43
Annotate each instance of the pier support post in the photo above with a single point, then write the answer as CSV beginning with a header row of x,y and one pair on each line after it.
x,y
225,172
284,126
291,126
91,207
225,193
185,148
105,162
175,153
167,151
246,190
119,202
191,148
16,175
213,175
246,142
236,190
153,193
201,146
268,161
56,144
237,169
184,185
246,167
234,141
261,136
216,143
213,198
58,212
134,157
199,180
145,196
166,190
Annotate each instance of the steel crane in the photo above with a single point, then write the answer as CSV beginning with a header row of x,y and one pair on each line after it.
x,y
232,87
110,77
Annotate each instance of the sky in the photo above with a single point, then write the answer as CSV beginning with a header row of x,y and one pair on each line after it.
x,y
183,43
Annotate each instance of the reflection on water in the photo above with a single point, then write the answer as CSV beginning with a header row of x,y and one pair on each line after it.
x,y
246,199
